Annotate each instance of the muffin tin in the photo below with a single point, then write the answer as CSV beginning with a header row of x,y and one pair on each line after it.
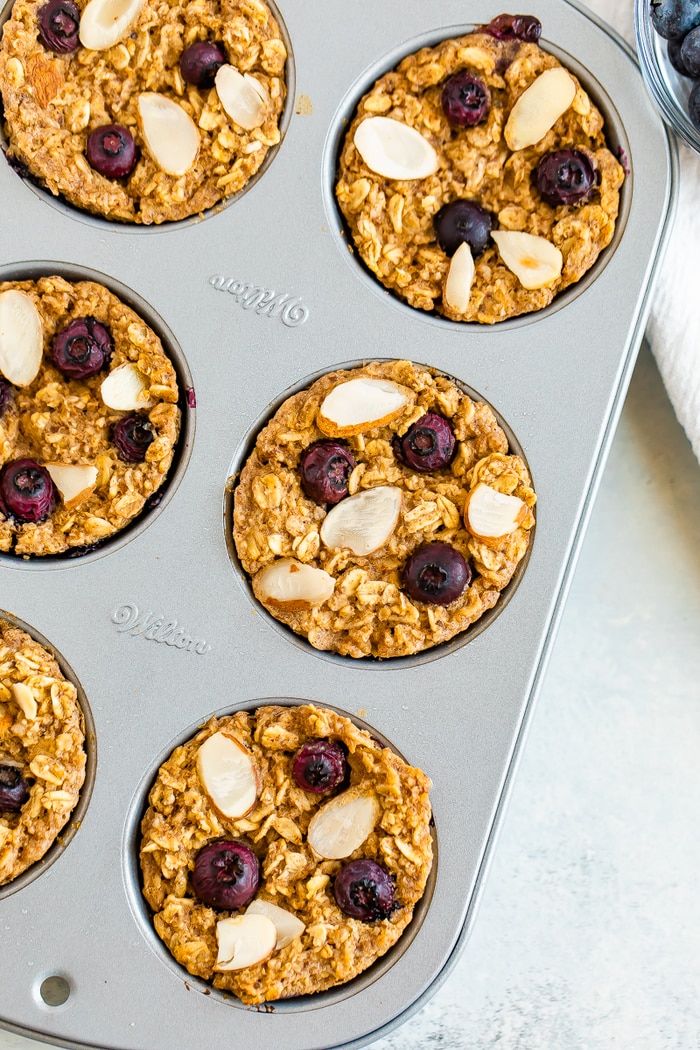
x,y
162,631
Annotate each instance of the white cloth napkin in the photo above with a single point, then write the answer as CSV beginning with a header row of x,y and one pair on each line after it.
x,y
674,325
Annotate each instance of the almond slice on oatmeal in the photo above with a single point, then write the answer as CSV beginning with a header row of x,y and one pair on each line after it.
x,y
492,515
394,150
21,337
363,523
75,482
539,108
287,925
340,826
229,775
459,280
244,940
243,97
290,584
26,699
359,405
124,389
104,23
535,261
171,136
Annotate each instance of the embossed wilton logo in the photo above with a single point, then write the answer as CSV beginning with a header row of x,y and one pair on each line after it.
x,y
156,629
264,301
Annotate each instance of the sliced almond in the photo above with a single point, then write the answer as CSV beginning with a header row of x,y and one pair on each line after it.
x,y
460,276
535,261
539,108
492,515
290,584
171,135
75,482
25,698
104,23
340,826
287,926
359,405
363,523
229,774
125,389
21,337
244,940
395,150
243,97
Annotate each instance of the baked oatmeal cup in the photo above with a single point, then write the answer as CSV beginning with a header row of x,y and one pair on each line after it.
x,y
475,178
89,417
140,111
284,851
381,512
42,753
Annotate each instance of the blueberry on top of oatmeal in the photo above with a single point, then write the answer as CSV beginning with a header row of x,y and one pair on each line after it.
x,y
111,150
132,436
319,766
27,492
59,22
200,62
226,874
83,348
14,789
565,176
364,890
465,100
436,574
515,27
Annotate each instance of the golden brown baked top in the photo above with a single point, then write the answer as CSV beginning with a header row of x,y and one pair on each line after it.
x,y
332,947
369,611
42,739
56,419
53,102
391,219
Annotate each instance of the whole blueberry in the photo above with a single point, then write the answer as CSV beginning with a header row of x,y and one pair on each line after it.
x,y
690,52
83,348
673,50
325,467
27,492
132,435
465,100
111,151
364,890
200,62
319,765
674,17
226,874
5,395
694,106
436,574
565,176
463,220
59,22
515,27
14,789
427,445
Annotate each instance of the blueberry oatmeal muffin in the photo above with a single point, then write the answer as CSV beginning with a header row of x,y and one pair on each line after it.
x,y
88,415
42,755
381,512
283,851
475,179
141,111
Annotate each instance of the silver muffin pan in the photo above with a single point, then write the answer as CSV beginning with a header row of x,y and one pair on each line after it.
x,y
161,630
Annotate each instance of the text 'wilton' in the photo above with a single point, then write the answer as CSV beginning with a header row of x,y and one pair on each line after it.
x,y
156,628
264,301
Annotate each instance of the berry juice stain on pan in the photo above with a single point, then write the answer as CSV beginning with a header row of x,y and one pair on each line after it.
x,y
69,830
114,150
480,221
245,868
446,564
81,350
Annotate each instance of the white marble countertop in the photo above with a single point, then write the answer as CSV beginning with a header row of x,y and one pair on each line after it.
x,y
588,936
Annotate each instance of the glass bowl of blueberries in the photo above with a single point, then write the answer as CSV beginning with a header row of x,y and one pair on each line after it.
x,y
668,42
